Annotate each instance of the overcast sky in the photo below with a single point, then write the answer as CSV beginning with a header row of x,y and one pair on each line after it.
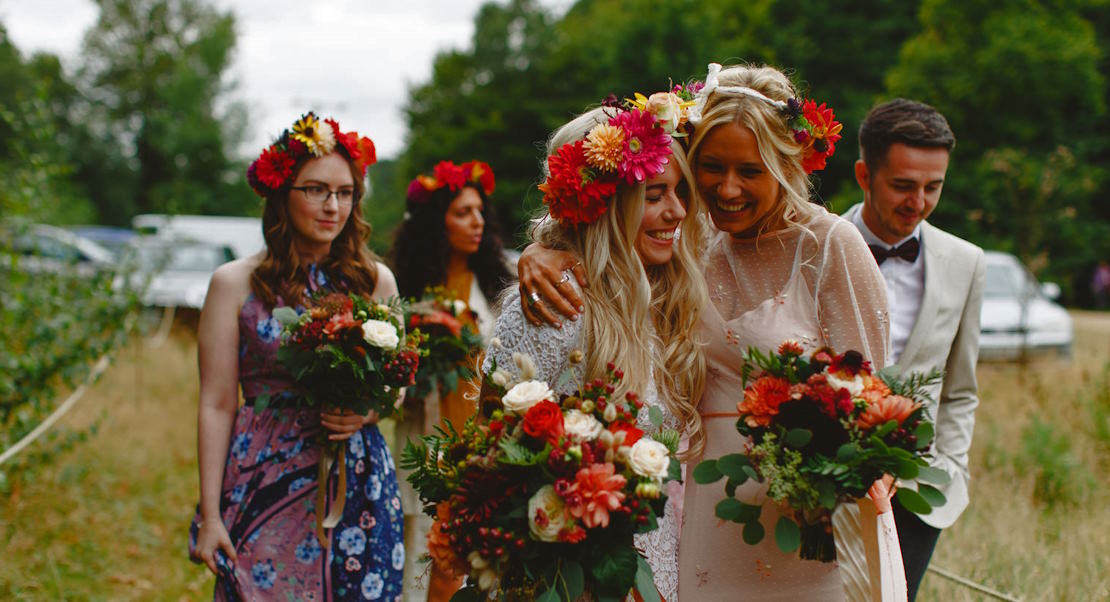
x,y
354,64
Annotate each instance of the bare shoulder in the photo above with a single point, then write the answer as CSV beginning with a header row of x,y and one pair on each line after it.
x,y
387,282
231,281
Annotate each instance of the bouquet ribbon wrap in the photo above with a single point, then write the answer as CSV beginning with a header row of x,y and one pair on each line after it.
x,y
330,454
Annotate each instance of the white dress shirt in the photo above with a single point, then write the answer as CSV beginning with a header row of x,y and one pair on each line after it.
x,y
905,286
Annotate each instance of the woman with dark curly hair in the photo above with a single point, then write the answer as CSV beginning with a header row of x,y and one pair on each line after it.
x,y
449,238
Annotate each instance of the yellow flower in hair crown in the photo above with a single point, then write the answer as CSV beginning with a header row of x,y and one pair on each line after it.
x,y
632,146
309,137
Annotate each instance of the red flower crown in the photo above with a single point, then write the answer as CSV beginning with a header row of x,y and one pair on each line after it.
x,y
310,137
632,146
454,177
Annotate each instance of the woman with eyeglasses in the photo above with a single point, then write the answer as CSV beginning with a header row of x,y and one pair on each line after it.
x,y
256,521
449,239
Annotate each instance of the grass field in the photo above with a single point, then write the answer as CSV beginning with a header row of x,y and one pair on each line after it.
x,y
108,520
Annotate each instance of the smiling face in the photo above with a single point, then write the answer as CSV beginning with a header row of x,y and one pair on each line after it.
x,y
464,222
741,193
664,209
316,225
903,191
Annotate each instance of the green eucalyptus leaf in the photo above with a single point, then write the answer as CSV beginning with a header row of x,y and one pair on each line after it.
x,y
733,466
787,535
706,472
932,495
286,315
933,475
753,533
575,579
729,509
847,452
798,438
645,581
655,416
551,595
924,433
913,501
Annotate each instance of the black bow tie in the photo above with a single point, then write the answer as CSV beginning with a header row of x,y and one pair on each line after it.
x,y
907,250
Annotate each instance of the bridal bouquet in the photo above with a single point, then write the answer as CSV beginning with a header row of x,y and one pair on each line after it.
x,y
539,499
449,346
349,353
820,430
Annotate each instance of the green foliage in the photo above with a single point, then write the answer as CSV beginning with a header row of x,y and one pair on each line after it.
x,y
55,326
155,70
1059,478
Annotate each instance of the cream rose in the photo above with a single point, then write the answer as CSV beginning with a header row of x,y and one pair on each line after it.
x,y
649,458
667,109
458,306
854,385
581,426
525,395
547,514
380,334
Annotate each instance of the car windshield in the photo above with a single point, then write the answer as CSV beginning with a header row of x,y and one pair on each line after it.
x,y
182,258
1004,281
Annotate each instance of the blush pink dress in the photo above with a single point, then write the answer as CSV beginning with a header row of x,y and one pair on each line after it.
x,y
818,285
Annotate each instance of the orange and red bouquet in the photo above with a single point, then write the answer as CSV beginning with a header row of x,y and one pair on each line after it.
x,y
819,430
449,345
540,495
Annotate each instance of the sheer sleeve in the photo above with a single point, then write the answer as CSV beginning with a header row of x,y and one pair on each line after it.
x,y
850,293
548,347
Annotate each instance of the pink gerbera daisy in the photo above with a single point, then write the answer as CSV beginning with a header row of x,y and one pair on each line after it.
x,y
646,146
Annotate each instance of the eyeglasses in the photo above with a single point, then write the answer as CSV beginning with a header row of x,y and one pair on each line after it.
x,y
316,193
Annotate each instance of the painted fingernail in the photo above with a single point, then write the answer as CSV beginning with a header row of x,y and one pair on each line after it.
x,y
581,309
558,325
574,317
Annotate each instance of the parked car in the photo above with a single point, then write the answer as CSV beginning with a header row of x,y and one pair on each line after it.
x,y
243,235
112,238
38,248
178,269
1019,314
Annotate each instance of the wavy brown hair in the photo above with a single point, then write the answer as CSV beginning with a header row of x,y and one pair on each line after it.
x,y
349,264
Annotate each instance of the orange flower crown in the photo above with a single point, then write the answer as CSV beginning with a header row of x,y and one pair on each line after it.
x,y
310,137
454,177
632,146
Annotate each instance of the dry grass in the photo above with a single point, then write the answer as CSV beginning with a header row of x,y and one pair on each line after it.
x,y
107,521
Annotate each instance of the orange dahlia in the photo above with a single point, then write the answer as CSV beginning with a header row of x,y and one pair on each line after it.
x,y
762,400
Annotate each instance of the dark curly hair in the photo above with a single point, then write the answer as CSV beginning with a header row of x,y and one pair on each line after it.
x,y
420,248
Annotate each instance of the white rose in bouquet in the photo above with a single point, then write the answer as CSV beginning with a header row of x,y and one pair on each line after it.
x,y
380,334
525,395
854,384
649,458
547,514
581,426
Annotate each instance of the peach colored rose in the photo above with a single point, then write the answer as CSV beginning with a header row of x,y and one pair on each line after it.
x,y
891,407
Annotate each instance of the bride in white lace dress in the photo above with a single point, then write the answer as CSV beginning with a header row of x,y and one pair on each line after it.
x,y
641,310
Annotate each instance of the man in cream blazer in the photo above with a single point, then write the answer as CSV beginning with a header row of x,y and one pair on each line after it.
x,y
934,286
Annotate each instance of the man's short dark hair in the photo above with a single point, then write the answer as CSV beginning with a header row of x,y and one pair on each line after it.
x,y
902,121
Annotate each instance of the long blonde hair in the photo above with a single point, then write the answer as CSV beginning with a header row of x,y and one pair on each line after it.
x,y
780,152
622,297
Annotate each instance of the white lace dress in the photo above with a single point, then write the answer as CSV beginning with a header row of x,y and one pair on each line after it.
x,y
550,349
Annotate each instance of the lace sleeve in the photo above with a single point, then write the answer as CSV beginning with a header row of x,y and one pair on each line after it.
x,y
851,294
547,346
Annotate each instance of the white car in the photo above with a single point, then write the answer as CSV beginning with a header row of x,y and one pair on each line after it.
x,y
1019,314
40,248
179,270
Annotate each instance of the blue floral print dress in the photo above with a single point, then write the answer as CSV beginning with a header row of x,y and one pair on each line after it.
x,y
268,500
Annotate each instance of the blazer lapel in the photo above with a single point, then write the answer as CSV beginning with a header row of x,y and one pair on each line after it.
x,y
929,304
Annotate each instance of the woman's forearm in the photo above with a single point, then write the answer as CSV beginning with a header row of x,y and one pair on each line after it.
x,y
213,441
